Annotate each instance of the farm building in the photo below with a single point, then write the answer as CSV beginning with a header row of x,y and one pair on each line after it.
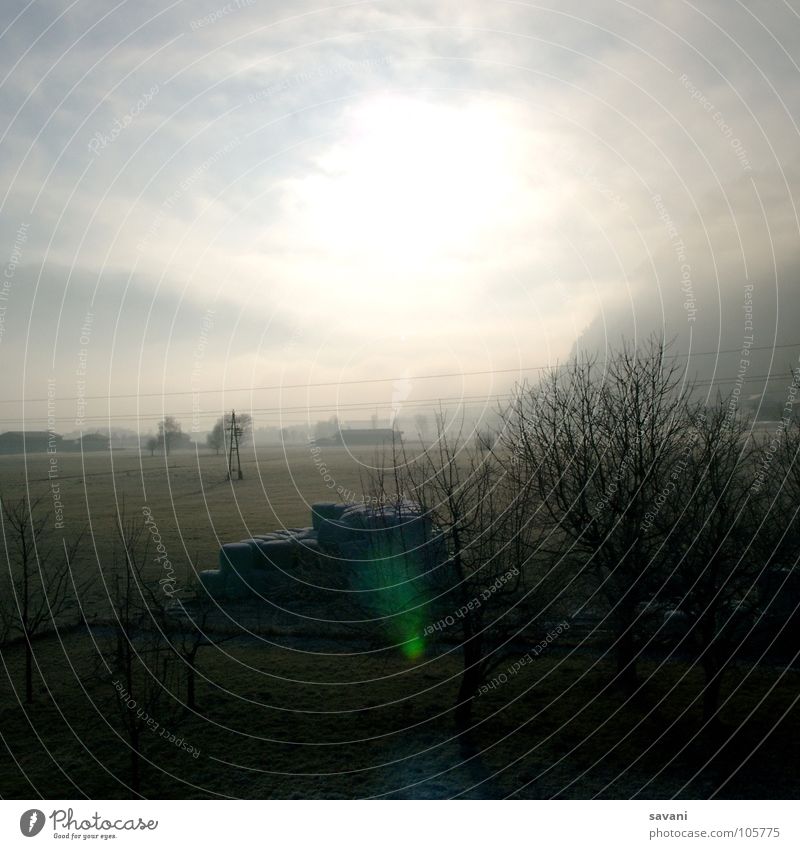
x,y
88,442
362,436
29,441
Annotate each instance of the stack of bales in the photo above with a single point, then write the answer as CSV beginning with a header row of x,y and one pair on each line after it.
x,y
263,565
348,545
394,538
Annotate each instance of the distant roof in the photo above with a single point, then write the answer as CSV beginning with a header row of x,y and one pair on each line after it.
x,y
27,434
370,431
361,435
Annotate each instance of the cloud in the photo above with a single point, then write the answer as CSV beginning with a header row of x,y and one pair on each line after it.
x,y
489,179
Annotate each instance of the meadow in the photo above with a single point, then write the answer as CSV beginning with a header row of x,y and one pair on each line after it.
x,y
194,506
294,713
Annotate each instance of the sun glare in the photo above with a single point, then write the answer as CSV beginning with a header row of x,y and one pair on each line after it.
x,y
411,181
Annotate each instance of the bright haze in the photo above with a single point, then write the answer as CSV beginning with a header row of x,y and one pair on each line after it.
x,y
203,197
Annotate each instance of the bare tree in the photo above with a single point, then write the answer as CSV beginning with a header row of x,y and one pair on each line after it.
x,y
6,615
41,585
191,628
152,444
136,659
169,431
593,448
216,437
784,443
716,540
485,541
244,421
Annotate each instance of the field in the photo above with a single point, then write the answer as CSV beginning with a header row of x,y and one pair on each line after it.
x,y
193,505
291,713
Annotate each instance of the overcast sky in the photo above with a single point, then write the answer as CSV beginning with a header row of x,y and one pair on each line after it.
x,y
201,195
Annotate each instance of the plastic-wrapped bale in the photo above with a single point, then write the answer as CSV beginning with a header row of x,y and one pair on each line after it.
x,y
236,560
394,529
329,524
275,564
355,551
357,516
401,546
236,557
383,515
324,511
213,582
308,544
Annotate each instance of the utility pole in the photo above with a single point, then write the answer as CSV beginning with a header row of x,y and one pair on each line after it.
x,y
234,433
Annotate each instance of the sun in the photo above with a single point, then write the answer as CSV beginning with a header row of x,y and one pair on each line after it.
x,y
410,181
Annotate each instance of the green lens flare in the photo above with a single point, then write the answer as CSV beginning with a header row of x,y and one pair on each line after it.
x,y
398,590
414,648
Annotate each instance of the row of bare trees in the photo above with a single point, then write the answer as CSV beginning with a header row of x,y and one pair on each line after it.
x,y
616,491
38,589
148,644
145,644
170,433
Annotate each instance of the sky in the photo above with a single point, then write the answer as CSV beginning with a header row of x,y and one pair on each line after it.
x,y
339,201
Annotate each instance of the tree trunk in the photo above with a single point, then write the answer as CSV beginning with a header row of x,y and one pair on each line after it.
x,y
711,692
190,681
626,660
471,678
136,763
28,671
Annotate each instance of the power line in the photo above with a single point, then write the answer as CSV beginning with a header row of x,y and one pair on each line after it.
x,y
447,401
363,381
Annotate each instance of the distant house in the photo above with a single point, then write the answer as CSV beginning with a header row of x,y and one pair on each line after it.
x,y
29,441
362,436
88,442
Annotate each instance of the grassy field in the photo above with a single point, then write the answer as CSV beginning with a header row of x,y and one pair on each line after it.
x,y
281,722
288,715
195,508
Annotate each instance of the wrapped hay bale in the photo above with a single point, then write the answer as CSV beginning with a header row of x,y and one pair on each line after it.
x,y
236,560
236,557
309,544
326,518
277,553
324,511
329,523
213,582
388,530
275,564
